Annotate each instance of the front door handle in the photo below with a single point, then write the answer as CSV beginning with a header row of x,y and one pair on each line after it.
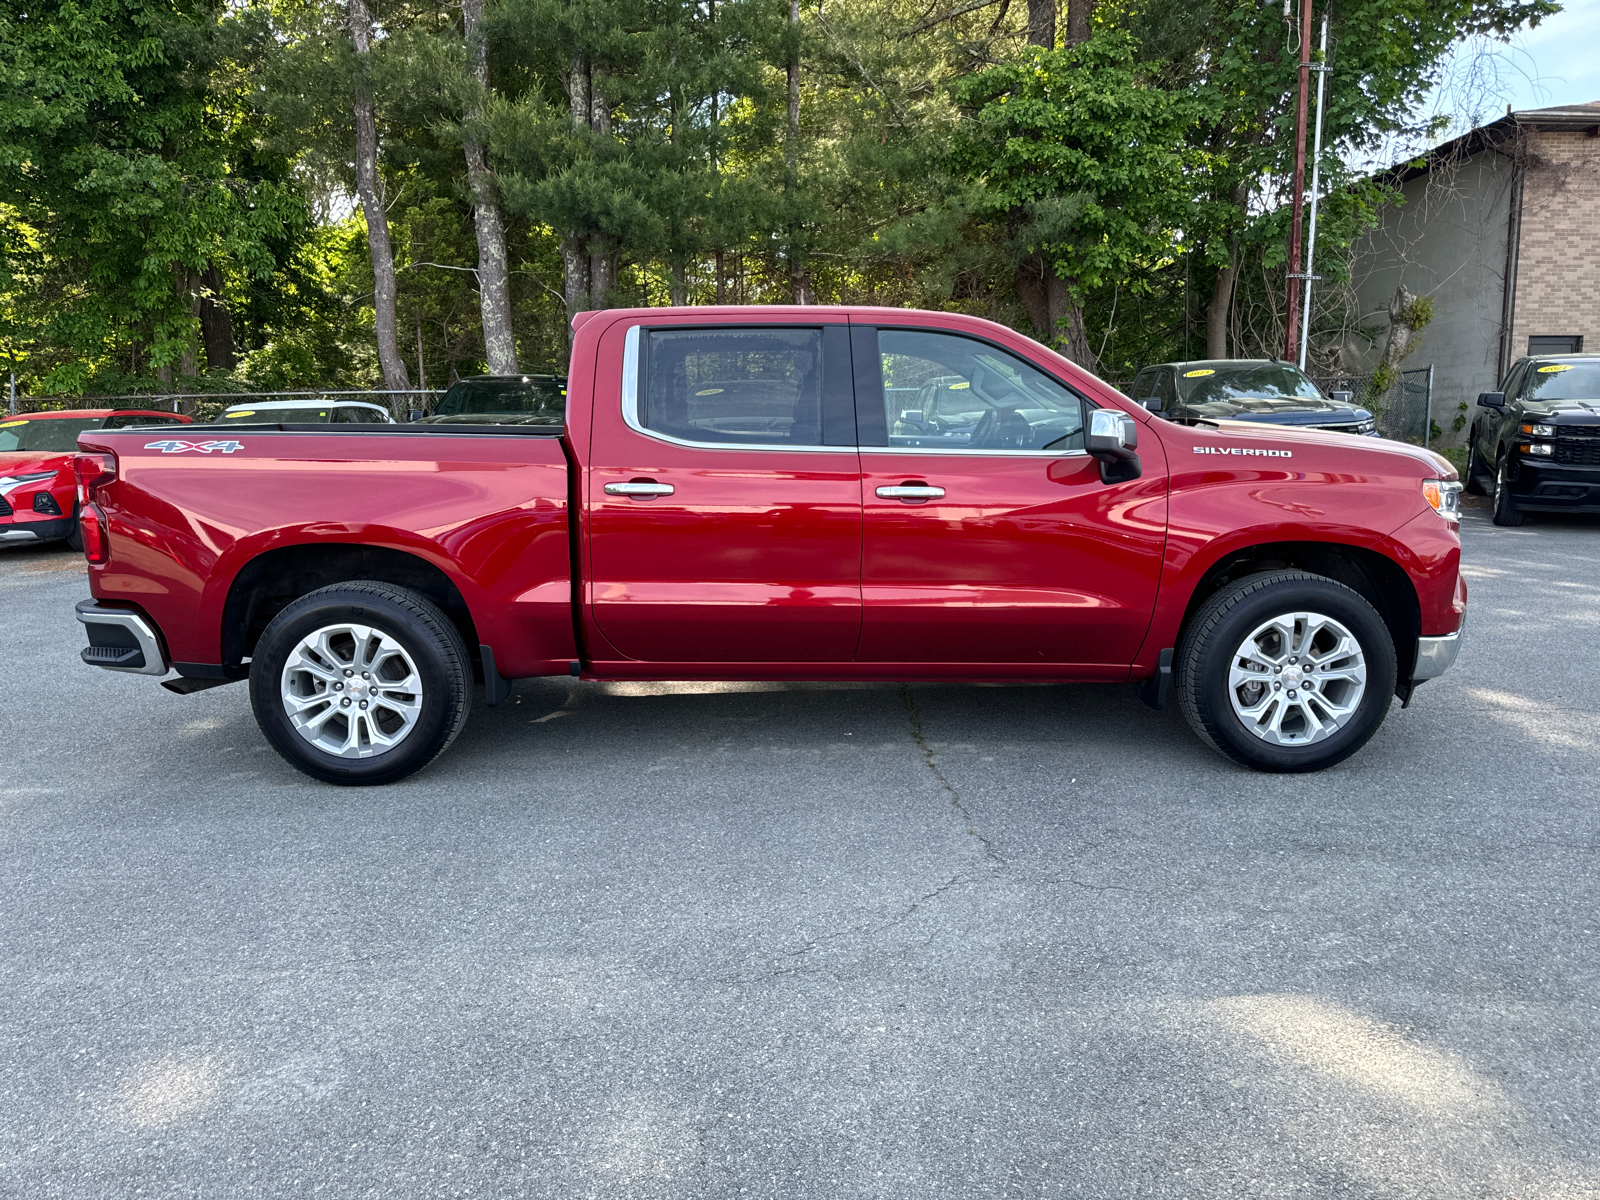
x,y
639,488
909,491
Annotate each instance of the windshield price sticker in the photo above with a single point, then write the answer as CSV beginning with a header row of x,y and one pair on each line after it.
x,y
176,446
1244,450
1553,368
1198,374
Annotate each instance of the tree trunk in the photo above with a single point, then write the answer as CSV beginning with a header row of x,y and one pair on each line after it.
x,y
1217,311
678,286
602,249
370,189
494,277
1079,13
1042,23
1403,326
216,326
1056,317
574,245
799,274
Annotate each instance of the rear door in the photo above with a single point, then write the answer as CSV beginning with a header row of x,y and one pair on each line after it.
x,y
724,495
989,536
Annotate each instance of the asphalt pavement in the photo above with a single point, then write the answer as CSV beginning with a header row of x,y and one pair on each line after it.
x,y
775,940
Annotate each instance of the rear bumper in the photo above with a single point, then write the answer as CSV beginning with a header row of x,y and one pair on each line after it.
x,y
121,640
1436,655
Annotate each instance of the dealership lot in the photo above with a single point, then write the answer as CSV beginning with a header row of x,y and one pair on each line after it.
x,y
810,940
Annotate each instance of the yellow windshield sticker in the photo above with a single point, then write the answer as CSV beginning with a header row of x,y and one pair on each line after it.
x,y
956,387
1553,368
9,424
1199,373
249,412
709,392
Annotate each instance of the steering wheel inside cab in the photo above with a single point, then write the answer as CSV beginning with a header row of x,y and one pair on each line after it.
x,y
1001,429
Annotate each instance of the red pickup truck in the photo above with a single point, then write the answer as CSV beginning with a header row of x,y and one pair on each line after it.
x,y
776,493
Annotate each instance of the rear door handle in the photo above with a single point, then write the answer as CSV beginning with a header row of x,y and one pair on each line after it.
x,y
910,492
638,489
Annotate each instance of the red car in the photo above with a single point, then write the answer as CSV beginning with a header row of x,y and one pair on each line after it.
x,y
36,484
777,493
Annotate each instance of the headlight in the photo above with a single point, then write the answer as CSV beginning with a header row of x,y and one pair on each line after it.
x,y
1445,497
7,482
1539,430
1367,427
1537,449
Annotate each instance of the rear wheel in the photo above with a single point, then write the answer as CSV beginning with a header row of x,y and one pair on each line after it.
x,y
360,683
1506,511
1475,472
1286,671
75,533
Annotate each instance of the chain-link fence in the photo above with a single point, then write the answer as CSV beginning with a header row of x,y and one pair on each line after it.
x,y
208,406
1404,410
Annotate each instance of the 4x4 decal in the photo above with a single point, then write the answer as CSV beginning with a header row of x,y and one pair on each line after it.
x,y
177,446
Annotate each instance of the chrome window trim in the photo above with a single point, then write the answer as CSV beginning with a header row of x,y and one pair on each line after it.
x,y
974,453
630,410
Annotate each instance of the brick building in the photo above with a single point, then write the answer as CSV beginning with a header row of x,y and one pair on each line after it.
x,y
1501,229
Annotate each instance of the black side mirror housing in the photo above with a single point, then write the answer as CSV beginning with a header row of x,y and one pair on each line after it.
x,y
416,414
1152,403
1492,399
1341,397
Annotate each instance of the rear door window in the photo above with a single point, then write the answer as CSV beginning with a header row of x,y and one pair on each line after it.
x,y
745,386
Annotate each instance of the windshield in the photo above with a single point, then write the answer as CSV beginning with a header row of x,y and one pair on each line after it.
x,y
530,400
49,435
1230,389
1564,381
280,416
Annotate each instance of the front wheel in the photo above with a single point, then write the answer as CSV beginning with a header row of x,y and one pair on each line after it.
x,y
360,683
1286,671
1506,511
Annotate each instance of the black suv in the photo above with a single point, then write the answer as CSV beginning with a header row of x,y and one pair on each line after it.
x,y
1246,389
1536,445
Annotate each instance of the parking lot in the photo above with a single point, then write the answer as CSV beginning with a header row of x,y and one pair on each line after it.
x,y
778,940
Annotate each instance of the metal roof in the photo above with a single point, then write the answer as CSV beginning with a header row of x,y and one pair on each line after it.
x,y
1566,118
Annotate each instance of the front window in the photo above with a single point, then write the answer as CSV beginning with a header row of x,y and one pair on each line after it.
x,y
1562,381
503,400
943,391
310,415
1223,391
48,435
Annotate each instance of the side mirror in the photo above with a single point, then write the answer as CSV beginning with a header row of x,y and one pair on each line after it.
x,y
416,414
1152,403
1341,397
1492,399
1113,438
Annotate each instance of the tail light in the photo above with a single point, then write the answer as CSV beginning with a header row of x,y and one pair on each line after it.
x,y
93,471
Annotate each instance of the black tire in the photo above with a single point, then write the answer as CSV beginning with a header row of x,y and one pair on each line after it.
x,y
438,656
1474,474
1205,657
1506,511
75,534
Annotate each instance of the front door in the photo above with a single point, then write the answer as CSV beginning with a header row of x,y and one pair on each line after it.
x,y
724,498
989,535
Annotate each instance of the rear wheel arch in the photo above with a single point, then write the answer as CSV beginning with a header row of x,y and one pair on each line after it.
x,y
274,579
1376,578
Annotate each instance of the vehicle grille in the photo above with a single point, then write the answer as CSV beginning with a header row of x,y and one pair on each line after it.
x,y
1575,453
1340,428
5,509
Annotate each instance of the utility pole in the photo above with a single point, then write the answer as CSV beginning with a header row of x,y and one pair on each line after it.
x,y
1316,170
1291,328
13,393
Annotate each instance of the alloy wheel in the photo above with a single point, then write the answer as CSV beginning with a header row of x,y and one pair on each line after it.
x,y
351,690
1297,678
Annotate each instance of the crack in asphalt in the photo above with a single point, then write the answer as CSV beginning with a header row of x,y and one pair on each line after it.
x,y
932,764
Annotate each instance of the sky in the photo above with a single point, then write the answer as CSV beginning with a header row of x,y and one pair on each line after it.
x,y
1557,63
